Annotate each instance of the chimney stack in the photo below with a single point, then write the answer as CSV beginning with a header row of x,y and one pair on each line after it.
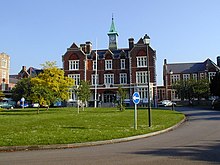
x,y
218,61
88,47
24,68
83,47
131,43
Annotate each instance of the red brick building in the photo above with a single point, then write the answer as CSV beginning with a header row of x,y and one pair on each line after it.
x,y
173,72
126,67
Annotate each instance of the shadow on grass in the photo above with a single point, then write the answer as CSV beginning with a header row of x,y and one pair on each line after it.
x,y
24,112
75,127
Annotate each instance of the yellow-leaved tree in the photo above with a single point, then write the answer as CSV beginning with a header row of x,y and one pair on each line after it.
x,y
51,85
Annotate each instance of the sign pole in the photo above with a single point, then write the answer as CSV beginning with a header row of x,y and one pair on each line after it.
x,y
136,100
135,117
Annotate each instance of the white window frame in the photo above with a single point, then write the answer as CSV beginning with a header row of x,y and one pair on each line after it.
x,y
141,77
175,78
75,77
211,74
186,77
201,75
93,79
73,64
4,63
94,65
123,78
4,74
109,79
141,61
122,63
143,93
108,64
195,76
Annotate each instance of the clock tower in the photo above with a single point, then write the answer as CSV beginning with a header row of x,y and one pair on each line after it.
x,y
113,34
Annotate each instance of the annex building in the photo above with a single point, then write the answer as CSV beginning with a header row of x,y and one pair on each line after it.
x,y
173,72
108,69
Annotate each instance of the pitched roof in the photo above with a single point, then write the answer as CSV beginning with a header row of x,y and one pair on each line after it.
x,y
191,67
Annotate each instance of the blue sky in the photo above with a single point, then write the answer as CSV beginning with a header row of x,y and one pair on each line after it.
x,y
33,32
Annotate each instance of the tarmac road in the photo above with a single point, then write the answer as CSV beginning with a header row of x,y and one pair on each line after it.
x,y
197,141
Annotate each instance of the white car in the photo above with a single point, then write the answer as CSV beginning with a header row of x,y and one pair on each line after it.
x,y
166,103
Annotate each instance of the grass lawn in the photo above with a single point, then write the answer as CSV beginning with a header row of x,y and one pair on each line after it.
x,y
64,126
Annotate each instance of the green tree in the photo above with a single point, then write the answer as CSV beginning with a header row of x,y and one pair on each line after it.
x,y
183,89
83,92
1,95
215,85
51,84
191,88
22,89
122,96
201,88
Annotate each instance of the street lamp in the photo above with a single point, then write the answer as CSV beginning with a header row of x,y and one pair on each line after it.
x,y
147,42
171,93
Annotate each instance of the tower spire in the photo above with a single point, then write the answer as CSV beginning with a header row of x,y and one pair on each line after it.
x,y
113,34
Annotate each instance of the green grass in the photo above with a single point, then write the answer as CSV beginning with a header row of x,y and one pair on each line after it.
x,y
65,126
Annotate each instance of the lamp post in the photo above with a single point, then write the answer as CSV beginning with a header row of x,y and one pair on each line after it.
x,y
147,42
171,93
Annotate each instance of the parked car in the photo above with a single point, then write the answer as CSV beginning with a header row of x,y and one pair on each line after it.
x,y
216,103
35,105
166,103
6,105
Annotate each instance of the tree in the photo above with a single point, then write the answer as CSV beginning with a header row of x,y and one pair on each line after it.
x,y
191,88
1,95
40,93
50,85
83,92
183,89
215,85
201,88
22,89
122,96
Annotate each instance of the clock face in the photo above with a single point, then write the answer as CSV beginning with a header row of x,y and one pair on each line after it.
x,y
112,38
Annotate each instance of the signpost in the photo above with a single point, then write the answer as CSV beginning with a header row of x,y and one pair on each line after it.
x,y
23,100
136,100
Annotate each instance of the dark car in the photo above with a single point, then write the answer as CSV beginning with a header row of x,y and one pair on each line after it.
x,y
216,104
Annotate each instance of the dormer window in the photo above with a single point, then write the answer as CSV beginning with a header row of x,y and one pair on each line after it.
x,y
122,63
142,61
108,64
73,64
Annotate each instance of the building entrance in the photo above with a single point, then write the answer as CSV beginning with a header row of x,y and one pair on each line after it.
x,y
109,97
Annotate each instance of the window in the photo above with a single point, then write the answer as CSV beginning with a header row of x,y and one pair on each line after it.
x,y
141,77
4,74
73,64
94,65
3,86
202,75
76,78
93,79
122,63
175,77
109,78
142,61
211,74
4,63
195,76
143,93
186,76
108,64
123,78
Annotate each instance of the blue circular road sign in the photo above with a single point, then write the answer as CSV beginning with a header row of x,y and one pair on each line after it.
x,y
136,98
